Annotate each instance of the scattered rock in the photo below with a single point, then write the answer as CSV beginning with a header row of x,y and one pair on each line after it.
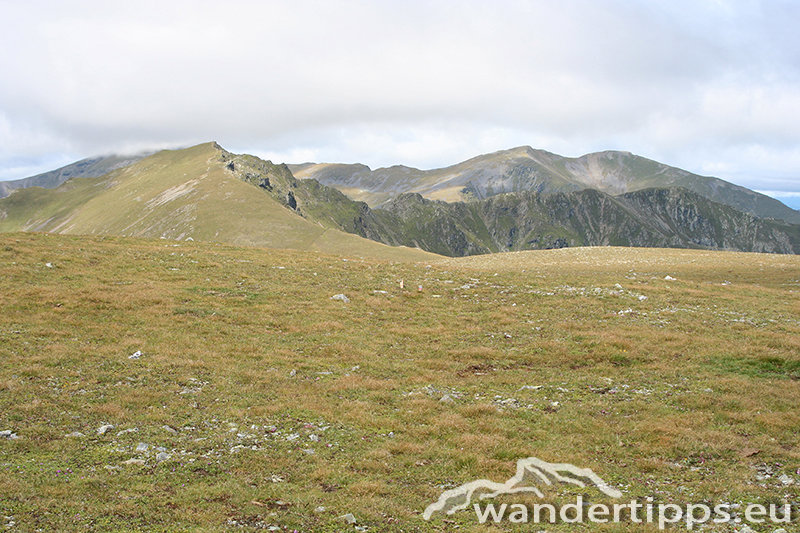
x,y
786,480
669,278
7,434
341,297
75,434
135,355
446,399
349,518
314,438
49,265
103,429
749,452
169,429
780,530
142,447
319,509
293,373
133,462
162,456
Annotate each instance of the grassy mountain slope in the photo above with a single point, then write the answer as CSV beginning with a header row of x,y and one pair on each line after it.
x,y
321,204
208,194
181,194
259,402
524,169
85,168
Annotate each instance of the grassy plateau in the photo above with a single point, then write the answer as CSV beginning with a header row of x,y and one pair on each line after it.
x,y
243,397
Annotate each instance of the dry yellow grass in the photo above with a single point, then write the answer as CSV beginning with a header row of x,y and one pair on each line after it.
x,y
260,388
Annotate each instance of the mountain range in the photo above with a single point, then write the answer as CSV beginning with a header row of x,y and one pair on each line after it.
x,y
511,200
525,169
85,168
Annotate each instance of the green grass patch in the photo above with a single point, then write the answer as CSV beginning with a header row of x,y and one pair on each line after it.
x,y
759,367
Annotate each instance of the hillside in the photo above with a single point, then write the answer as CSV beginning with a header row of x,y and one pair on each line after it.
x,y
675,218
179,195
206,193
525,169
85,168
151,385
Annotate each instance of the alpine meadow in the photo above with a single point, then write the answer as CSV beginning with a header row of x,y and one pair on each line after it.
x,y
197,340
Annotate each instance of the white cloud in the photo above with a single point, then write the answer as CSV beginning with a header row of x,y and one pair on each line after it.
x,y
700,84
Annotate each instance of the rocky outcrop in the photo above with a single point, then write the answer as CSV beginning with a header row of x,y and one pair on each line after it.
x,y
672,217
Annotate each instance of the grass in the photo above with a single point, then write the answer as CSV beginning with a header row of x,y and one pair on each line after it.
x,y
181,195
272,401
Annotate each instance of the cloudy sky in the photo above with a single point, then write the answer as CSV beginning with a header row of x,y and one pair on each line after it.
x,y
711,86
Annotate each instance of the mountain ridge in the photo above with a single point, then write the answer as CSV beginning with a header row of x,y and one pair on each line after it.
x,y
179,195
207,193
528,169
91,167
663,218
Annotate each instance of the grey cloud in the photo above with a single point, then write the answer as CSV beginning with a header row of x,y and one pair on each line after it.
x,y
419,83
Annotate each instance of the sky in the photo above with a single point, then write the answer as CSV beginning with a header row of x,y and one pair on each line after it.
x,y
710,86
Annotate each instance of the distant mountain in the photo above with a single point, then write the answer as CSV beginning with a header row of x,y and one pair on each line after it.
x,y
85,168
525,169
207,193
660,218
200,193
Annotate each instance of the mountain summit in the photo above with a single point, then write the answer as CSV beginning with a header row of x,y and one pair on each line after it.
x,y
525,169
520,199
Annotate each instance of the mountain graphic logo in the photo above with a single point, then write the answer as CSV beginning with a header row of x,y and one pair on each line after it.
x,y
530,473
